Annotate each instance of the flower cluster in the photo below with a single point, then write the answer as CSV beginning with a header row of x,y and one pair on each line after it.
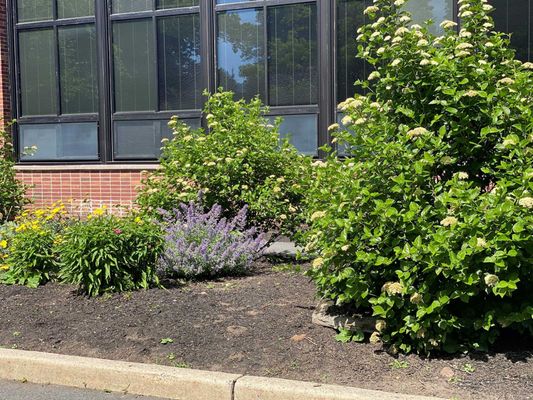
x,y
199,243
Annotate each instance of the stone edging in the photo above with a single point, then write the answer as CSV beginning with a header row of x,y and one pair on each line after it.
x,y
169,382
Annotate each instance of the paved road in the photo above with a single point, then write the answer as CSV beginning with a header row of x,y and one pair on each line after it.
x,y
27,391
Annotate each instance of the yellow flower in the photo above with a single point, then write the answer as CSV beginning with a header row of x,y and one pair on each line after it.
x,y
4,267
138,220
98,212
3,244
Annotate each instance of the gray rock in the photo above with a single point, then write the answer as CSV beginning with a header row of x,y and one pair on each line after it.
x,y
326,314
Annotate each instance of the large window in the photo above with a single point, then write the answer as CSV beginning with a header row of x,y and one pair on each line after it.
x,y
97,80
57,83
270,49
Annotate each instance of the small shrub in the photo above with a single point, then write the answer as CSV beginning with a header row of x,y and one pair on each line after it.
x,y
12,191
31,259
205,244
107,253
429,224
241,161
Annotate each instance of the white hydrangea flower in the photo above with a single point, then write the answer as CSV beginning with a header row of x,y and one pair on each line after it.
x,y
526,202
381,50
447,24
401,30
449,221
360,121
462,53
395,62
527,65
416,27
416,132
371,10
488,25
463,46
333,127
506,81
480,242
491,280
471,93
405,18
424,62
462,175
397,39
347,120
465,34
399,3
489,44
374,75
422,42
466,14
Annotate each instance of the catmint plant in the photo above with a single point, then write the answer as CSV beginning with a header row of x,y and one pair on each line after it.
x,y
206,244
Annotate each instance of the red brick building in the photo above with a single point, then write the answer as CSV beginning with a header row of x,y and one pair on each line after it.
x,y
93,82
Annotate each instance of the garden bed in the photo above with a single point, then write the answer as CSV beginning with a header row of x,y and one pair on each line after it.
x,y
258,325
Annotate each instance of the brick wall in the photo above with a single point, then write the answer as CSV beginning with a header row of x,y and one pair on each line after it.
x,y
82,189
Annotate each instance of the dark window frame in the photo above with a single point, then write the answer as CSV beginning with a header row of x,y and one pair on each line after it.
x,y
325,109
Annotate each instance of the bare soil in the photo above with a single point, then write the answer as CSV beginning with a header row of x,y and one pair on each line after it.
x,y
257,325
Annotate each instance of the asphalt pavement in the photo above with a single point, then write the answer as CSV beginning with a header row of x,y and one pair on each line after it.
x,y
10,390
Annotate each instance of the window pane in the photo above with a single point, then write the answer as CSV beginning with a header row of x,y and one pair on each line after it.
x,y
124,6
179,62
34,10
349,67
232,1
37,72
142,139
241,52
176,3
70,141
436,10
134,65
292,54
516,17
301,130
77,60
75,8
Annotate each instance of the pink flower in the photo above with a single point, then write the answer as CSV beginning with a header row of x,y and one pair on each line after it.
x,y
117,231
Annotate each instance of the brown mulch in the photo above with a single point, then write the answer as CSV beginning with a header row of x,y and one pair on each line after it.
x,y
256,325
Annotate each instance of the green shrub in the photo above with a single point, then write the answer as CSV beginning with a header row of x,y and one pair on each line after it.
x,y
241,161
108,253
12,192
29,257
429,223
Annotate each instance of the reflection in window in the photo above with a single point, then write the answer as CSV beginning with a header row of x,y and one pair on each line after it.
x,y
350,68
77,61
37,72
301,130
436,10
292,54
34,10
179,62
142,139
516,17
70,141
241,52
134,65
74,8
176,3
124,6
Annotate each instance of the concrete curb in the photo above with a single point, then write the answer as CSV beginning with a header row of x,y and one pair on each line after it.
x,y
168,382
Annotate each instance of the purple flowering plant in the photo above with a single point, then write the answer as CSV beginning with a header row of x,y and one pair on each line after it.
x,y
206,244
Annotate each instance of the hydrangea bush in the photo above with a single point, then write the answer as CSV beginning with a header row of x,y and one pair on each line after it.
x,y
239,161
206,244
429,222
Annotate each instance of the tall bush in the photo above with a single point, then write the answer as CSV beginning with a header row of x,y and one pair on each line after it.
x,y
12,191
239,162
429,222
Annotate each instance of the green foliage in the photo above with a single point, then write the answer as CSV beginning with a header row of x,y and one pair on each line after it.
x,y
429,221
108,253
241,161
346,335
29,255
12,191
